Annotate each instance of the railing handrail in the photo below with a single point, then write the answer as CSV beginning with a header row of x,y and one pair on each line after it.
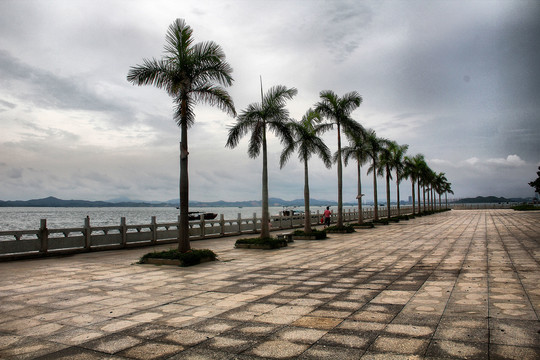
x,y
39,242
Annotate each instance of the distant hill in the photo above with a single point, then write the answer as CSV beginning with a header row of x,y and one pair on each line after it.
x,y
124,202
488,199
55,202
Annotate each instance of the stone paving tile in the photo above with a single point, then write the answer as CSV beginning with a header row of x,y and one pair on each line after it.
x,y
461,284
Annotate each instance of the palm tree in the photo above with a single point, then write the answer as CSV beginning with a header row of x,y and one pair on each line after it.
x,y
375,146
447,190
440,181
269,114
409,173
417,165
189,73
385,167
308,142
398,164
358,150
338,110
427,180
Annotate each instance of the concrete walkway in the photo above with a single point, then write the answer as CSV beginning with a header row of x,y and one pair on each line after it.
x,y
462,284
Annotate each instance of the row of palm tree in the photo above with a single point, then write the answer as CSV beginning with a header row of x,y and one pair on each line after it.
x,y
198,72
387,158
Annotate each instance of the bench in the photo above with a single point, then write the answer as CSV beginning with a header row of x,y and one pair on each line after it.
x,y
286,236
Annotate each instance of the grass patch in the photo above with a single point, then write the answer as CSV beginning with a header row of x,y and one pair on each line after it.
x,y
319,234
271,243
381,222
190,258
526,207
342,229
367,224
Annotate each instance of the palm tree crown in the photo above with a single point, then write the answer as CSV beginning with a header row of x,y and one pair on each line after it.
x,y
189,73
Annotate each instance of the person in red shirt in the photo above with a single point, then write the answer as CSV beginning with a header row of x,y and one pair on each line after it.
x,y
327,215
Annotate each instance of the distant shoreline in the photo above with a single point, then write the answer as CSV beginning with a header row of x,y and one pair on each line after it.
x,y
55,202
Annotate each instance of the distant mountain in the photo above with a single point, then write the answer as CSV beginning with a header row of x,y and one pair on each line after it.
x,y
55,202
125,202
488,199
256,203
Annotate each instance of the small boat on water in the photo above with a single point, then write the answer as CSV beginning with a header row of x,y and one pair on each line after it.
x,y
196,215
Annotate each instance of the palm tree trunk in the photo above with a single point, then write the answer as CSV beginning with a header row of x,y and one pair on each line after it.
x,y
265,231
419,203
375,202
424,196
183,230
413,198
340,181
388,193
360,214
397,194
307,214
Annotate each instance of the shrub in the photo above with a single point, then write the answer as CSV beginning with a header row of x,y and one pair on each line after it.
x,y
319,234
526,207
343,229
273,243
367,224
192,257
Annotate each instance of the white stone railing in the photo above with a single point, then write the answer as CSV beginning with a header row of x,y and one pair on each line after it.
x,y
44,241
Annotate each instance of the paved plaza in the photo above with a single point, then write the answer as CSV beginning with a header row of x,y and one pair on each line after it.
x,y
463,284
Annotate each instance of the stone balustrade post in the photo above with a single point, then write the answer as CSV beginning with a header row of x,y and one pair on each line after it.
x,y
221,224
44,236
153,229
123,230
87,233
202,226
255,222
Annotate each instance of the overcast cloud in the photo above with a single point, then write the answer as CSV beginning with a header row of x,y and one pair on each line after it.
x,y
456,80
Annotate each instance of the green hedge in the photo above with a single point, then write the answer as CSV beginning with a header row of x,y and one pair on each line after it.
x,y
272,242
343,229
192,257
526,207
319,234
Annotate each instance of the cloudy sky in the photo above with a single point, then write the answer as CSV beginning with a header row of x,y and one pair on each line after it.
x,y
458,81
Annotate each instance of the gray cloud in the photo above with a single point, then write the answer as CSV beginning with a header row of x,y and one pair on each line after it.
x,y
44,89
454,80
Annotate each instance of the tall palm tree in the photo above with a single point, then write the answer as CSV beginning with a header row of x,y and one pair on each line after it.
x,y
417,165
398,164
439,186
447,190
385,167
410,173
358,150
189,73
375,146
427,180
337,110
307,142
269,114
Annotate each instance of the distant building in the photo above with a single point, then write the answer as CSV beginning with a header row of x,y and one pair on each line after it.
x,y
410,199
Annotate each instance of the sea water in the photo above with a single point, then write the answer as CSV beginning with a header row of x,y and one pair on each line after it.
x,y
28,218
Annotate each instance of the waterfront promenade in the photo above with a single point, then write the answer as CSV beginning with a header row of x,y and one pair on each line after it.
x,y
460,284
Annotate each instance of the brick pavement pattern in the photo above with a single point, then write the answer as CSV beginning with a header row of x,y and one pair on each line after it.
x,y
460,284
